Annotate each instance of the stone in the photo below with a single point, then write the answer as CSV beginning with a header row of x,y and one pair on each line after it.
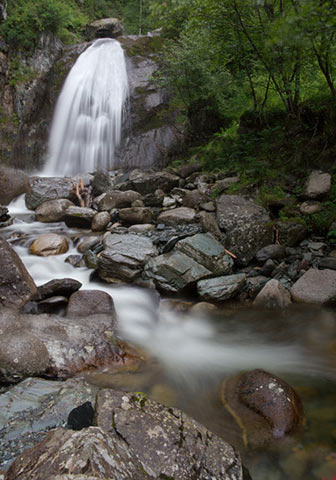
x,y
136,215
273,295
52,210
49,244
177,216
87,302
204,249
210,225
118,199
169,202
222,185
189,169
273,399
16,284
81,417
208,206
146,183
75,260
310,207
101,183
63,286
175,271
160,448
124,256
247,226
100,221
43,189
89,243
274,251
194,198
203,308
13,183
144,228
79,217
254,285
318,185
35,406
290,234
315,286
154,199
222,288
104,28
328,262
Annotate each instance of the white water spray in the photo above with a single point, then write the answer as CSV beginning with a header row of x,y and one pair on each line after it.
x,y
86,128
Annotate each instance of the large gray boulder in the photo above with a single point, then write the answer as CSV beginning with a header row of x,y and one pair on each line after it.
x,y
273,295
13,183
16,285
117,199
166,442
104,28
315,286
222,288
43,189
177,216
148,182
42,405
52,210
247,226
124,256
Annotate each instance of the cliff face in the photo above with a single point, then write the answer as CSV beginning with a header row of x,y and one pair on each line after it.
x,y
30,85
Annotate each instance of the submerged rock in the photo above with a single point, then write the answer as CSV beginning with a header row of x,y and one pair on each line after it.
x,y
247,226
16,285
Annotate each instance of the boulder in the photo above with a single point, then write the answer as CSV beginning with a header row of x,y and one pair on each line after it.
x,y
52,210
315,286
221,288
189,169
104,28
175,271
43,189
117,199
88,243
273,251
194,198
101,183
310,207
207,251
177,216
291,233
49,244
209,224
154,199
100,221
171,444
146,183
124,256
317,185
142,228
267,406
136,215
63,286
273,295
247,226
13,182
42,406
87,302
79,217
16,285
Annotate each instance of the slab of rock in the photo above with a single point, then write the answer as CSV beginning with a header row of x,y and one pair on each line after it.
x,y
171,444
13,183
117,199
310,206
54,345
273,251
87,302
124,256
268,407
146,183
221,288
49,244
247,226
207,251
177,216
273,295
318,184
175,271
136,215
43,189
104,28
79,217
62,286
315,286
100,221
16,285
33,407
52,210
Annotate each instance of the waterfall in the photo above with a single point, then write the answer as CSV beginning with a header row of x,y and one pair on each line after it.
x,y
86,128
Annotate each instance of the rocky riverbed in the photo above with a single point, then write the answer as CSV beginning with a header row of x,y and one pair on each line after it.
x,y
175,233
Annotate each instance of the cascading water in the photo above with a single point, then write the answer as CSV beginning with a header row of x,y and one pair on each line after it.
x,y
86,128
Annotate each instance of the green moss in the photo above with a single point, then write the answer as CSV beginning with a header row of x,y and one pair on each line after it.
x,y
20,73
139,398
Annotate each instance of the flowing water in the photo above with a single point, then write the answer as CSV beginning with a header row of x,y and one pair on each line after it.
x,y
86,128
188,356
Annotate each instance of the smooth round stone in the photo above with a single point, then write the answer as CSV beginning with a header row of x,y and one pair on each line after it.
x,y
49,244
310,207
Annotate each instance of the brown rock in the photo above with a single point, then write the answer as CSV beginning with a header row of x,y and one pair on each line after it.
x,y
315,286
100,221
49,244
273,295
52,210
177,216
194,198
16,285
136,215
87,302
117,199
61,286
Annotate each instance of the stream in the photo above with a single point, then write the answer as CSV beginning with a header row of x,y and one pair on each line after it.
x,y
188,356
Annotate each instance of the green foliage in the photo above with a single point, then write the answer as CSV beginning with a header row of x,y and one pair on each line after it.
x,y
27,19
